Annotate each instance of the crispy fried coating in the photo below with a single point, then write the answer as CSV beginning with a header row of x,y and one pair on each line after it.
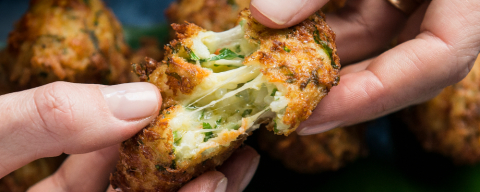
x,y
300,62
70,40
450,123
327,151
218,15
213,15
150,48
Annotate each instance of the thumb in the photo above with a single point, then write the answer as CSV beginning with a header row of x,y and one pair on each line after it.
x,y
284,13
71,118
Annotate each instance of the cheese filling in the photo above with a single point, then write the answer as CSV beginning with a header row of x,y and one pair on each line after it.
x,y
230,101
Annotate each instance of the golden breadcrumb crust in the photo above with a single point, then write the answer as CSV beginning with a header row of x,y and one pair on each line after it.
x,y
148,162
213,15
450,123
70,40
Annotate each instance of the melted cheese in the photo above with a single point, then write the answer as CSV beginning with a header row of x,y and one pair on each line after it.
x,y
228,102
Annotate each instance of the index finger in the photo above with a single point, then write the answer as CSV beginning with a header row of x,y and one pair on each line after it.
x,y
410,73
283,13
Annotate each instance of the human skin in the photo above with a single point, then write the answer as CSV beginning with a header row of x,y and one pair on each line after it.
x,y
88,122
432,54
438,45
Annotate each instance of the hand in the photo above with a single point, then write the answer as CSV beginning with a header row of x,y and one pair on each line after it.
x,y
438,45
87,121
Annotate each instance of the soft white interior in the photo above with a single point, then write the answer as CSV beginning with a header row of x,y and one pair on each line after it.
x,y
232,95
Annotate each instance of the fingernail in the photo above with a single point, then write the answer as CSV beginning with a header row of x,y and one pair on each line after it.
x,y
222,185
249,174
278,11
309,130
131,100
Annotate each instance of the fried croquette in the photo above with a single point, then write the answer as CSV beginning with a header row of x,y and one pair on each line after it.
x,y
69,40
217,88
221,14
327,151
212,15
450,123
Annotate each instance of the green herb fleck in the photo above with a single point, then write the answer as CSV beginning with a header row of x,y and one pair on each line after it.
x,y
94,39
208,135
238,49
97,15
160,168
218,121
168,112
193,56
226,54
176,137
191,107
316,36
231,2
237,111
174,75
287,49
206,126
246,112
202,115
242,22
87,2
236,127
328,50
290,80
274,91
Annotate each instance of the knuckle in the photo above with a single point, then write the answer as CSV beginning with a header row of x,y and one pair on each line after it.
x,y
54,106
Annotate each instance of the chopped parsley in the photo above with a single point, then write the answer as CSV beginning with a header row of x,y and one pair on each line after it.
x,y
202,115
246,112
226,54
191,107
208,135
174,75
219,121
328,50
275,130
274,91
287,49
176,137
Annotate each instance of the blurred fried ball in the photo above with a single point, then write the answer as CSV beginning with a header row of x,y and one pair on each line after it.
x,y
69,40
450,123
326,151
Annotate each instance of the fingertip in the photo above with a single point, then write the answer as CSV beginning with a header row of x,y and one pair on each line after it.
x,y
209,181
260,17
283,13
240,168
132,101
